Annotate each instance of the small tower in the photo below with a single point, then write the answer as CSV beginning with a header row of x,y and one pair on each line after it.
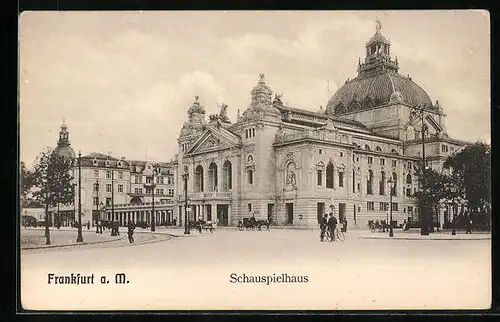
x,y
378,55
63,146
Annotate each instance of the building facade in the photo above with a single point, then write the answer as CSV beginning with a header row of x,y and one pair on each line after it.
x,y
110,185
290,165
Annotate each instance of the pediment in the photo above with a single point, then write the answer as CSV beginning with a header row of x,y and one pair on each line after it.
x,y
214,139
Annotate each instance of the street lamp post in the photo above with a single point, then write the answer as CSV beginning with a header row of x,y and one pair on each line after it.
x,y
79,239
97,206
153,185
419,111
185,176
391,188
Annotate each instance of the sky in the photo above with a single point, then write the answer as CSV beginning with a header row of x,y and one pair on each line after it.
x,y
123,81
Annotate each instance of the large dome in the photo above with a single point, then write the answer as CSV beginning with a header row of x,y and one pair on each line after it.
x,y
65,152
364,92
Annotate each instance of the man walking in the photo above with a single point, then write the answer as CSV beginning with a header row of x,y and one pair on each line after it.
x,y
130,232
322,225
332,224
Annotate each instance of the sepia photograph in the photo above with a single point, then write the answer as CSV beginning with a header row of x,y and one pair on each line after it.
x,y
254,160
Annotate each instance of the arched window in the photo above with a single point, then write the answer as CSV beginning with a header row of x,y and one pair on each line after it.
x,y
198,179
381,185
408,179
212,177
329,175
394,151
367,147
395,178
227,176
369,183
378,149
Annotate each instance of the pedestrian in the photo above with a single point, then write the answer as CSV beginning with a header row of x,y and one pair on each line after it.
x,y
130,232
322,225
88,225
468,225
97,226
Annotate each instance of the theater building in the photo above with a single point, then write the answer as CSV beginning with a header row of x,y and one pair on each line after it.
x,y
289,165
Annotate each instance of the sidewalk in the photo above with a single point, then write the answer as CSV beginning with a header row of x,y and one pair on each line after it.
x,y
414,234
35,238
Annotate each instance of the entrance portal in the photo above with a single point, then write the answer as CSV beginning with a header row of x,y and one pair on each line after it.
x,y
289,213
223,215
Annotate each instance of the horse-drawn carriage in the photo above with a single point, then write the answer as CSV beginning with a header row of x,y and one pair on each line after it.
x,y
201,225
252,224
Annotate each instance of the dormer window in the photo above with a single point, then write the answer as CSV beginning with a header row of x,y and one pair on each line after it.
x,y
94,162
119,164
107,163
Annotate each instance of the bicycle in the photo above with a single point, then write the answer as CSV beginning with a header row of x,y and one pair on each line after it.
x,y
336,234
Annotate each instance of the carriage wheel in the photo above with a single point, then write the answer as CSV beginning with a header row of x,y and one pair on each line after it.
x,y
330,237
240,228
340,235
372,229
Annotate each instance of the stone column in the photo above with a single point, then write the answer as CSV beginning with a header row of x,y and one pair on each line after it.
x,y
214,211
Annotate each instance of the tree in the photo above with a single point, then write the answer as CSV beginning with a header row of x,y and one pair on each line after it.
x,y
52,180
25,184
471,168
435,192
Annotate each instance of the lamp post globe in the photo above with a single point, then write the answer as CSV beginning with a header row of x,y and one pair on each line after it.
x,y
391,183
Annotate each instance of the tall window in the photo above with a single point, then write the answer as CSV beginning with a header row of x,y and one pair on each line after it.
x,y
382,161
96,187
395,178
96,173
149,190
198,179
136,190
329,175
394,163
319,175
169,180
149,179
120,175
370,160
370,206
212,177
108,187
95,200
108,174
369,183
250,176
381,184
341,177
227,176
108,201
408,179
136,179
394,206
353,180
120,188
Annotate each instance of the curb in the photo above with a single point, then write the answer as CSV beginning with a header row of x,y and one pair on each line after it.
x,y
70,245
410,238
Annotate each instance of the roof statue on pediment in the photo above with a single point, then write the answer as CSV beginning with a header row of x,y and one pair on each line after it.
x,y
261,103
196,120
277,99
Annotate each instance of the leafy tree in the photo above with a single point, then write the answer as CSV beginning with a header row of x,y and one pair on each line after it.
x,y
471,169
52,179
435,192
25,183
